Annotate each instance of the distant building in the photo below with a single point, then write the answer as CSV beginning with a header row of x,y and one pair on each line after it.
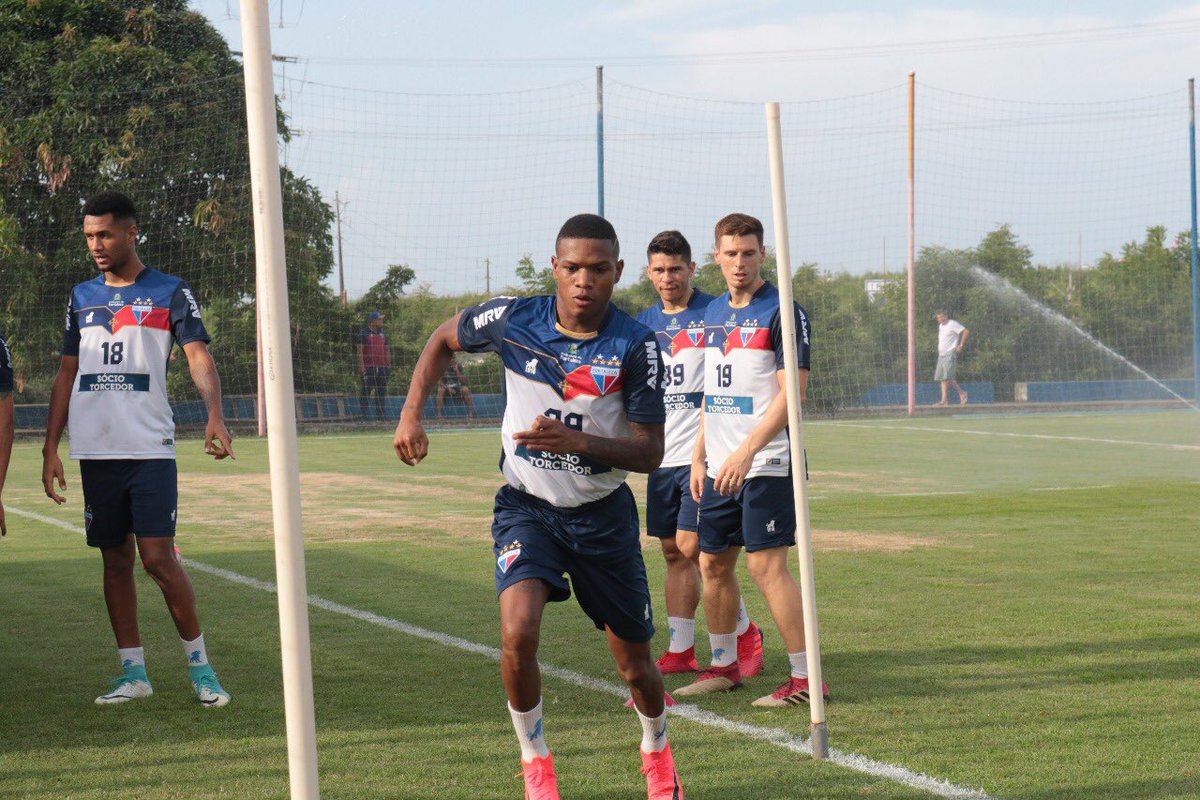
x,y
874,286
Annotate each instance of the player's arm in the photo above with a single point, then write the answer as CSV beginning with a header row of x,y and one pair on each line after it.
x,y
962,340
56,423
218,443
358,348
641,451
6,441
732,473
410,442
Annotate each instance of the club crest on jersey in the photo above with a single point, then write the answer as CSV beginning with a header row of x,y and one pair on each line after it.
x,y
749,337
508,554
601,377
141,309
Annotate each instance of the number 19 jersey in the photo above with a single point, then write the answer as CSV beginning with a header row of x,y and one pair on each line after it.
x,y
743,351
680,338
123,337
598,384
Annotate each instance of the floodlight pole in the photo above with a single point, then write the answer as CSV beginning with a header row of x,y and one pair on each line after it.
x,y
912,247
600,139
1195,246
783,264
267,200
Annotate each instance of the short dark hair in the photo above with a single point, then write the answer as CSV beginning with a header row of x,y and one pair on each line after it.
x,y
738,225
670,243
589,226
110,202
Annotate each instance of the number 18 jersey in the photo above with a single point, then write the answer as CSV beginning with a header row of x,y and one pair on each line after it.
x,y
123,337
743,351
681,341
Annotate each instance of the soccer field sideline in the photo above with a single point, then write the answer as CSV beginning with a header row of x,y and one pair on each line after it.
x,y
775,736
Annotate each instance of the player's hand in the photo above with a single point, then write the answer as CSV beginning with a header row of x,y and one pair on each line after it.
x,y
733,472
52,472
218,443
410,441
549,435
696,481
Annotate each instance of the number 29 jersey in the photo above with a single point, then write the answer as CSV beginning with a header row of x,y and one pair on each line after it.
x,y
743,351
681,341
598,384
123,337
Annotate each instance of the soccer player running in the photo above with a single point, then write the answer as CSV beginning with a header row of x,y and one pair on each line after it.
x,y
6,422
584,408
741,465
671,512
112,386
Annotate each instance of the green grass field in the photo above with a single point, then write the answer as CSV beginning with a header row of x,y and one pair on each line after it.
x,y
1008,604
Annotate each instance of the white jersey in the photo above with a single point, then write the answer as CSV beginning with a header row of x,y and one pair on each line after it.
x,y
743,351
123,337
681,341
948,336
597,384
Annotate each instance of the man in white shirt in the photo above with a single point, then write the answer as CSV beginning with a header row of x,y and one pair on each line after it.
x,y
952,338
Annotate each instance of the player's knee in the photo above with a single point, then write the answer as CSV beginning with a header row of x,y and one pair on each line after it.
x,y
161,566
714,568
768,565
637,671
519,638
688,547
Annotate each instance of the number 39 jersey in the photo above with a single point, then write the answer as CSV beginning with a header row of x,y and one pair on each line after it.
x,y
681,341
123,337
742,353
597,384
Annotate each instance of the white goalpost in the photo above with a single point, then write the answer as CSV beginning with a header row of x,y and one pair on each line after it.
x,y
276,365
816,699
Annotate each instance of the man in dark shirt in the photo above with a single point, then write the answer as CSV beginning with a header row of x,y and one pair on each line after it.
x,y
374,362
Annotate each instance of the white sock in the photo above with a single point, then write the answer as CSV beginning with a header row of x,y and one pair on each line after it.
x,y
799,664
654,732
194,651
528,725
683,633
724,648
743,620
132,656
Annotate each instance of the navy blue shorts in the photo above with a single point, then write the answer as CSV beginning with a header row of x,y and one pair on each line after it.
x,y
596,544
669,503
760,515
125,496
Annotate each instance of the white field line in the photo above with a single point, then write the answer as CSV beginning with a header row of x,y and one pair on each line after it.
x,y
1089,439
776,736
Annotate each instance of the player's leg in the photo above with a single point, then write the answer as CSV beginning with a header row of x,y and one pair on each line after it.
x,y
106,523
719,536
528,574
154,499
637,668
610,584
440,401
664,498
468,400
769,529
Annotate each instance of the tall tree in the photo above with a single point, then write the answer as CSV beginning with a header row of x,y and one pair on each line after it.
x,y
142,96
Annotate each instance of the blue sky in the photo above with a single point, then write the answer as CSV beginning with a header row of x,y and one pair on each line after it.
x,y
449,185
353,42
